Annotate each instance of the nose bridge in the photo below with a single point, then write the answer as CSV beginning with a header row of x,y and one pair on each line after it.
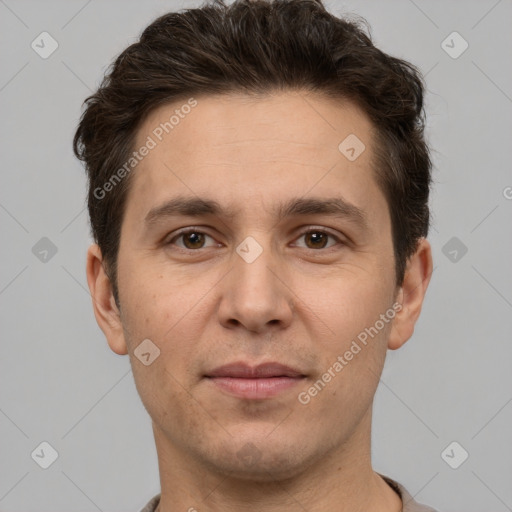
x,y
254,265
255,295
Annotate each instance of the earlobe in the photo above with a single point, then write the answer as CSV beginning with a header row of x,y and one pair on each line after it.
x,y
105,309
411,294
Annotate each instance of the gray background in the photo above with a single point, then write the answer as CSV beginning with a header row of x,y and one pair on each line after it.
x,y
59,381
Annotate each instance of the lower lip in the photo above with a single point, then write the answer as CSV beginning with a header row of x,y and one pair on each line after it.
x,y
255,388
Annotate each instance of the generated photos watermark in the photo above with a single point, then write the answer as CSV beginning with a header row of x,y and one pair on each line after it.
x,y
158,133
341,361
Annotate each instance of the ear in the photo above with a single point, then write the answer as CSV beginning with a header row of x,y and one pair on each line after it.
x,y
411,294
105,309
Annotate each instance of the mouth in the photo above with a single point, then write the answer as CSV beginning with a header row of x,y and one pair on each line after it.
x,y
254,382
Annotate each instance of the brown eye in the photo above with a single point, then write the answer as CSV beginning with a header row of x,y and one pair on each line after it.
x,y
191,240
318,239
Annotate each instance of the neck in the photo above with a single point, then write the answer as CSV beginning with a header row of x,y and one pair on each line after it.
x,y
340,480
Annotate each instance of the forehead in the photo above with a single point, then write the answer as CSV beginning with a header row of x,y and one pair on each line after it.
x,y
288,119
235,147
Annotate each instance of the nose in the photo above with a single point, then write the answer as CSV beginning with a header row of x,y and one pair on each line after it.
x,y
255,294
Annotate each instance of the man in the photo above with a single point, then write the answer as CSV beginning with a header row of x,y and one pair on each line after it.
x,y
258,195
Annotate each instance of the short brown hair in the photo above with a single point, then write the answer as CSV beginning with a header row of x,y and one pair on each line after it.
x,y
256,47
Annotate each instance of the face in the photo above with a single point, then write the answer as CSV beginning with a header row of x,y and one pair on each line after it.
x,y
279,251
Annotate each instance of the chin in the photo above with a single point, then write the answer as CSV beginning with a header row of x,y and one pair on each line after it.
x,y
261,461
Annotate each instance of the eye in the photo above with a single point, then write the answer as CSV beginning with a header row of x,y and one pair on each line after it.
x,y
192,239
318,239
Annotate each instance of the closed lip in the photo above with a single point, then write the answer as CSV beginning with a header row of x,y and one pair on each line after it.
x,y
243,370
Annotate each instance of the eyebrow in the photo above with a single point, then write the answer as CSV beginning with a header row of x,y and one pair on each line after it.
x,y
196,207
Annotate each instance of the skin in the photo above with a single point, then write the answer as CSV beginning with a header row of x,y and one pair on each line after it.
x,y
299,303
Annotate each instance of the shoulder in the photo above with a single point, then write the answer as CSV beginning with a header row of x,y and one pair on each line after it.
x,y
409,503
152,504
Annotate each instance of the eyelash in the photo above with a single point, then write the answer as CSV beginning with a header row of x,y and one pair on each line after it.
x,y
188,231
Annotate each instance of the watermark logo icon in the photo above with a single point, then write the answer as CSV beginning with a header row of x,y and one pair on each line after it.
x,y
44,455
146,352
249,454
454,249
454,455
351,147
454,45
249,249
44,250
44,45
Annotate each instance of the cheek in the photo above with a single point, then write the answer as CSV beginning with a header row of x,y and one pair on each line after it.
x,y
160,310
162,394
153,305
352,303
350,368
168,323
358,315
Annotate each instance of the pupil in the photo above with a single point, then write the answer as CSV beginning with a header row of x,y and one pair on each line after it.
x,y
316,237
194,239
